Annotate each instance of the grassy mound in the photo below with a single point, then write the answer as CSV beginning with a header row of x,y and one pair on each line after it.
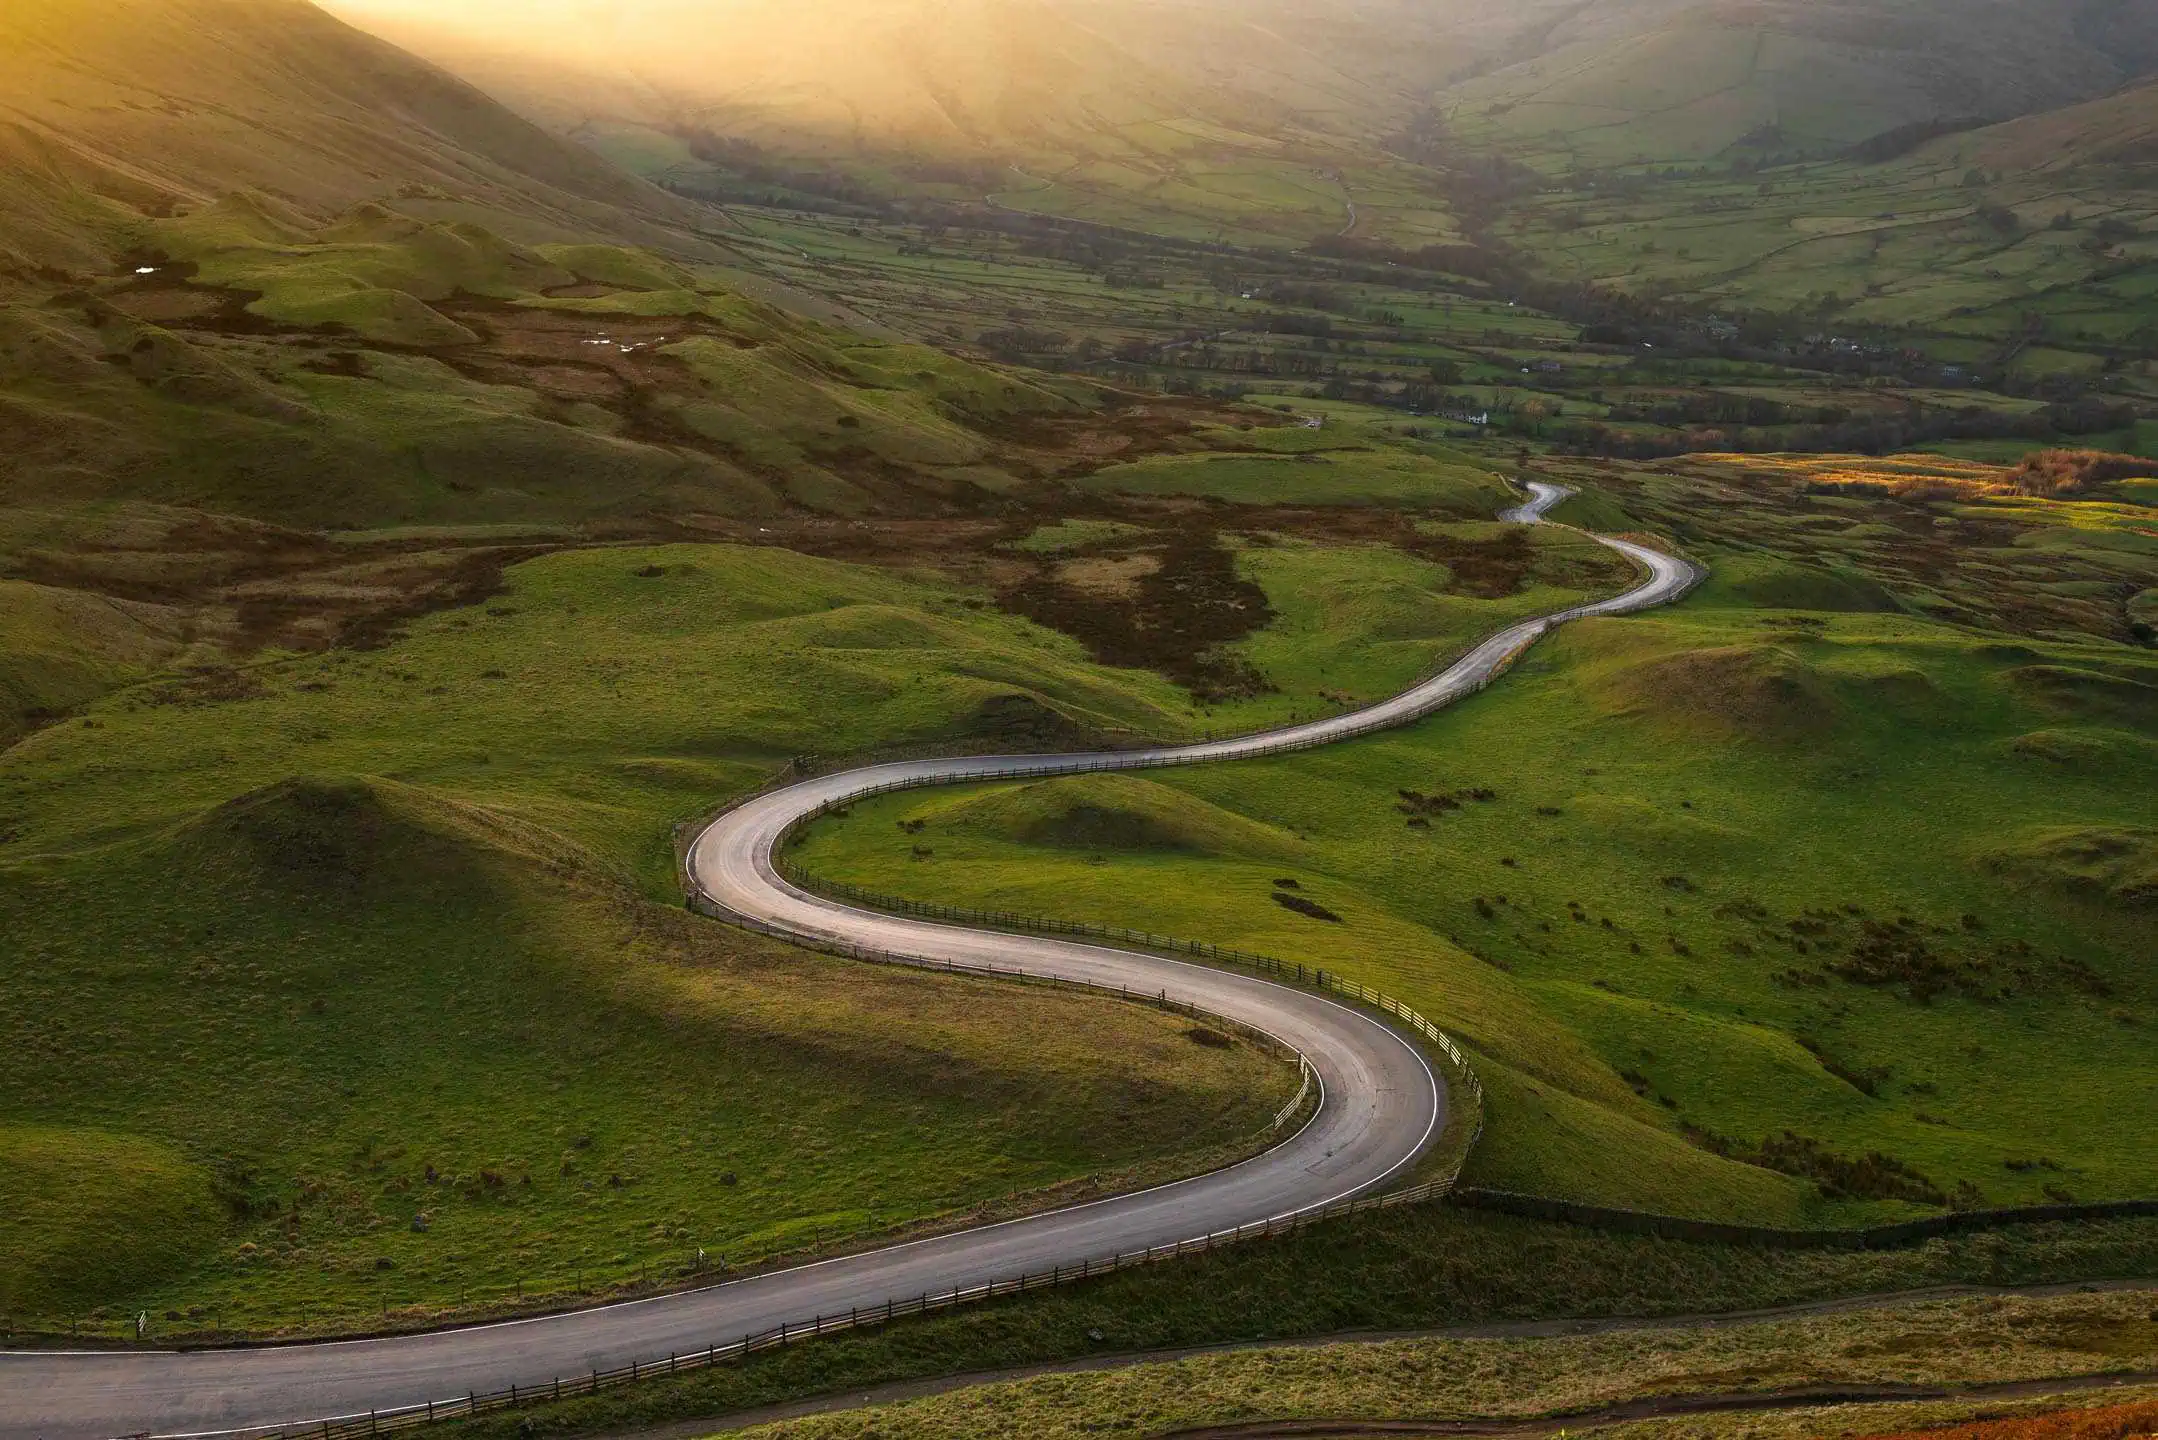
x,y
2104,696
61,648
2115,864
93,1214
2087,748
354,840
1801,587
1106,812
1765,692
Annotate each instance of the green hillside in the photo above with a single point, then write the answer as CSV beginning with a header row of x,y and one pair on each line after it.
x,y
1242,121
1745,909
1655,82
403,940
2017,251
420,371
124,110
420,503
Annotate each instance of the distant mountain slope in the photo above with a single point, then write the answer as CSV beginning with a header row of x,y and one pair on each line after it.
x,y
953,76
1634,81
115,109
1245,120
2119,129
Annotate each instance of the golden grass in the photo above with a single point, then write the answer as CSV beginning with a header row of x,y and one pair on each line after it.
x,y
1968,1341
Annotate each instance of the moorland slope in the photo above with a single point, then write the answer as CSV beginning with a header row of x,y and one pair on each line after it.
x,y
1662,81
126,109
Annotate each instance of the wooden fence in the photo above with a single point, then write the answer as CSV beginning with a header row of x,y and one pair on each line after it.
x,y
733,1351
1469,1088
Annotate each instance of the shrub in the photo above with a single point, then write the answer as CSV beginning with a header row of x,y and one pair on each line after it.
x,y
2051,473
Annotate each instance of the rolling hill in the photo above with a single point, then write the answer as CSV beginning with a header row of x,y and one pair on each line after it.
x,y
2117,129
120,110
1661,81
975,77
1249,121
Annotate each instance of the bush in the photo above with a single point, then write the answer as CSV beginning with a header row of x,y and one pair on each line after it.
x,y
2052,473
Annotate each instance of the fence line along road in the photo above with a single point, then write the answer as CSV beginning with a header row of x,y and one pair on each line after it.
x,y
1286,971
592,1382
1379,1106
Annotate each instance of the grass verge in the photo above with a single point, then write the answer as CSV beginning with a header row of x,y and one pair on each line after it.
x,y
1413,1268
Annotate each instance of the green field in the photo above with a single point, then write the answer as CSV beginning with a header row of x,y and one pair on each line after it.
x,y
303,948
1863,845
410,526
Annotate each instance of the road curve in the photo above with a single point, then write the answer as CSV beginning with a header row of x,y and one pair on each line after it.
x,y
1381,1103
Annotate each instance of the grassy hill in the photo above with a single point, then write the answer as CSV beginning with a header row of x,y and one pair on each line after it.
x,y
2017,250
1662,81
422,371
403,940
2115,130
1743,908
121,110
1627,1381
994,78
1209,120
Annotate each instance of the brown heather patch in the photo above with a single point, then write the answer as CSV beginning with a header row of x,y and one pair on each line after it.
x,y
2109,1422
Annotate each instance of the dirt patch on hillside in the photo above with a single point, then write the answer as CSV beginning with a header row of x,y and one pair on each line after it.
x,y
1488,569
1174,617
252,586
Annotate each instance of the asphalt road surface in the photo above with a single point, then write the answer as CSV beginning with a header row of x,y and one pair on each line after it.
x,y
1380,1104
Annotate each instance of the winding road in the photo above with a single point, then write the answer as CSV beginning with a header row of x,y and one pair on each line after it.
x,y
1380,1104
